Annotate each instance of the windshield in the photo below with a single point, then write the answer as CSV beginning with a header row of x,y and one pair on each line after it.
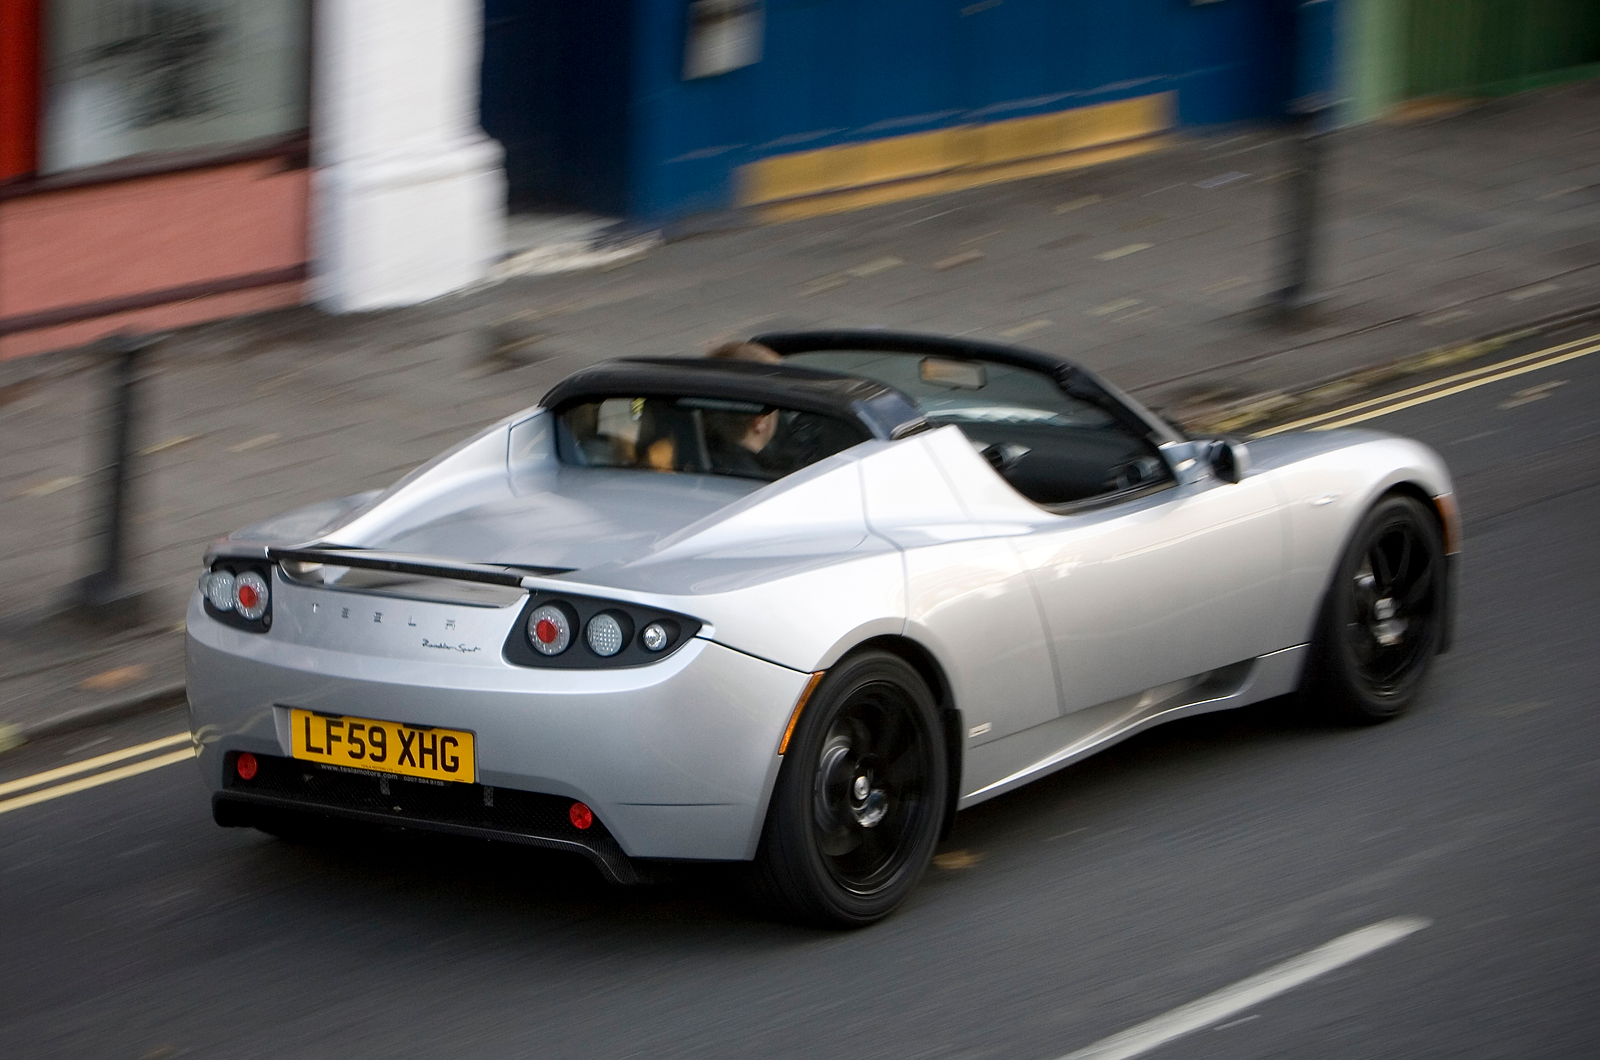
x,y
1053,448
699,435
963,391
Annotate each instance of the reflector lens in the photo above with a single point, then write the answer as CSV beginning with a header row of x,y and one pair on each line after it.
x,y
604,635
246,765
580,815
219,590
250,595
549,630
654,636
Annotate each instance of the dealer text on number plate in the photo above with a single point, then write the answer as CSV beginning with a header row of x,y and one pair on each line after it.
x,y
438,754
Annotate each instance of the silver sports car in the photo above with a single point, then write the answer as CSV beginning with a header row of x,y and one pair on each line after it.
x,y
798,614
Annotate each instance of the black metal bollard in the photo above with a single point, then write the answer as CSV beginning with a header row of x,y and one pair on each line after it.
x,y
104,596
1300,212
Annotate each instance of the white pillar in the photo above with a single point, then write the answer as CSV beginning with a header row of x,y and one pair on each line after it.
x,y
408,196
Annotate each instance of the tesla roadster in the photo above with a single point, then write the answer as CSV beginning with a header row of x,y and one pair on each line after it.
x,y
799,614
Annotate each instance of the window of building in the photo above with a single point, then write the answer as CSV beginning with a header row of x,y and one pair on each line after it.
x,y
139,77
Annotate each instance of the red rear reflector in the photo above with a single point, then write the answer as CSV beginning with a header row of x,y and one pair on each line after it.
x,y
248,596
246,765
546,631
580,815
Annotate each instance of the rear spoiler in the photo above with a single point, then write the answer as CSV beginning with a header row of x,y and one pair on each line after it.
x,y
512,575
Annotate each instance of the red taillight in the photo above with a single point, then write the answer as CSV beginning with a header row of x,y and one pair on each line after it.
x,y
580,815
250,596
550,629
246,765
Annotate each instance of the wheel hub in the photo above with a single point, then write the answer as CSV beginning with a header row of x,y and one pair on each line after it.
x,y
1387,628
868,804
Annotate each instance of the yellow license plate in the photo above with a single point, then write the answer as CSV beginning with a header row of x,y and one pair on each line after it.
x,y
410,750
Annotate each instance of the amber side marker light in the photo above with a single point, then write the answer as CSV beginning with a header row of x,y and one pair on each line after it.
x,y
799,705
245,765
580,816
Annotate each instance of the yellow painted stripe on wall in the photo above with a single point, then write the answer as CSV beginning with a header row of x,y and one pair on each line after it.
x,y
899,191
932,162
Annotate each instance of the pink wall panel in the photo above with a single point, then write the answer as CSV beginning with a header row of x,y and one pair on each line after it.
x,y
156,318
84,245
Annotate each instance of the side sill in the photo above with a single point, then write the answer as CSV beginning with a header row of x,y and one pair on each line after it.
x,y
1274,674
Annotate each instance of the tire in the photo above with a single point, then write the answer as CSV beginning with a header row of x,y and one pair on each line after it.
x,y
859,800
1382,618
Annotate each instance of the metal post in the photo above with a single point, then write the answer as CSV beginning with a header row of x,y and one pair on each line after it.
x,y
103,595
1300,207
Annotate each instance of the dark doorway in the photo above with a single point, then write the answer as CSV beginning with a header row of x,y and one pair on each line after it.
x,y
556,84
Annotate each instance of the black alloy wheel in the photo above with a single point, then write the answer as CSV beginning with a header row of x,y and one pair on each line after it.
x,y
860,797
1383,617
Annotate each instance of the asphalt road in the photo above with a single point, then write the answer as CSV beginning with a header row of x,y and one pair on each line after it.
x,y
1174,865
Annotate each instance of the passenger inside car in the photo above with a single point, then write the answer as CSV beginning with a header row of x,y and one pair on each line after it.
x,y
700,435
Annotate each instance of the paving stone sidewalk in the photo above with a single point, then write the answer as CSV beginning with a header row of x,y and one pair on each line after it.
x,y
1440,230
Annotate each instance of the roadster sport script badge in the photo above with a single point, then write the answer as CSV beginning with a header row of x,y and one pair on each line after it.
x,y
438,754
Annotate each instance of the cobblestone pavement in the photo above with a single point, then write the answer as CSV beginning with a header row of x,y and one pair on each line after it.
x,y
1440,230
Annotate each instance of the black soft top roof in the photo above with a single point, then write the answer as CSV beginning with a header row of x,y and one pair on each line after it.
x,y
882,410
787,342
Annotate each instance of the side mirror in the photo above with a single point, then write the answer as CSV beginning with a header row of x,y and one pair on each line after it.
x,y
1228,460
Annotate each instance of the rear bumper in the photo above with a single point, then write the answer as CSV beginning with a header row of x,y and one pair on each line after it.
x,y
475,810
676,759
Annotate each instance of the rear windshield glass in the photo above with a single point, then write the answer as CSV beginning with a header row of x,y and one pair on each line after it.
x,y
700,435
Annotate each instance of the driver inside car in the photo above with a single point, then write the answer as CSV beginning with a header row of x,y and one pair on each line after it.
x,y
734,441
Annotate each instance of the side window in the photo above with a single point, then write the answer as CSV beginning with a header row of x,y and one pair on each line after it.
x,y
1053,448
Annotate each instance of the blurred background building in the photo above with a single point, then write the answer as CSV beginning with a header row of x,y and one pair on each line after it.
x,y
169,161
154,160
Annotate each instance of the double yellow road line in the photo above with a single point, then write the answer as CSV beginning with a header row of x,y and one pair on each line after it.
x,y
95,779
1441,388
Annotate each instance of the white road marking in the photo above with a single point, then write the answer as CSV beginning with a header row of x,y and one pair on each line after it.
x,y
92,763
1248,993
35,797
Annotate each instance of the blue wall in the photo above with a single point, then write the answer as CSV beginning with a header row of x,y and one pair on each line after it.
x,y
839,71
